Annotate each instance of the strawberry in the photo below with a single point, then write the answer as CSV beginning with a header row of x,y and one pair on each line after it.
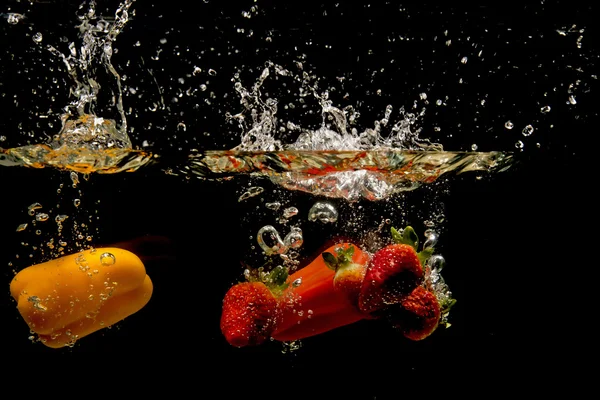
x,y
250,309
393,272
349,273
417,315
248,315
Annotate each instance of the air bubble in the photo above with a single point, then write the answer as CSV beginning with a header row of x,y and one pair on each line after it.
x,y
278,246
107,259
294,239
273,206
528,130
324,212
290,212
251,192
14,18
31,209
38,37
509,125
41,217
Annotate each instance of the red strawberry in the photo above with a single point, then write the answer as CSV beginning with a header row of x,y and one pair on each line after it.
x,y
393,272
350,269
249,314
417,316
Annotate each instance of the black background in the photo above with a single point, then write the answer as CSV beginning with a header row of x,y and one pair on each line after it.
x,y
512,241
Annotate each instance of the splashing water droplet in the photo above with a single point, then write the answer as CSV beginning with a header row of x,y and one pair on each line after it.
x,y
324,212
545,109
508,125
107,259
77,202
37,37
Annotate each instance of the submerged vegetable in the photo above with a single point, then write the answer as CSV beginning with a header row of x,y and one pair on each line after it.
x,y
343,285
65,299
324,296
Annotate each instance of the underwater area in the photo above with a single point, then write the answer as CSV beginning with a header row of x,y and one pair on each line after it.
x,y
220,141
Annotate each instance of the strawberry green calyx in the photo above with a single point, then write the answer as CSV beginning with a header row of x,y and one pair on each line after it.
x,y
276,280
410,237
342,258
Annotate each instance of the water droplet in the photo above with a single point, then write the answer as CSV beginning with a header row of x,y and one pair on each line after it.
x,y
474,147
528,130
545,109
297,282
572,100
464,60
519,144
197,71
21,227
212,72
509,125
77,202
37,37
107,259
323,211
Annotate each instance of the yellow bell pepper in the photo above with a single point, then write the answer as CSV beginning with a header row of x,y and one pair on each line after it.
x,y
65,299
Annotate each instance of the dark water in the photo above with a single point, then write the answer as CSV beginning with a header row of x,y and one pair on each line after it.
x,y
508,239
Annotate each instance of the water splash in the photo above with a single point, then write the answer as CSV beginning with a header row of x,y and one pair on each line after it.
x,y
335,132
97,36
